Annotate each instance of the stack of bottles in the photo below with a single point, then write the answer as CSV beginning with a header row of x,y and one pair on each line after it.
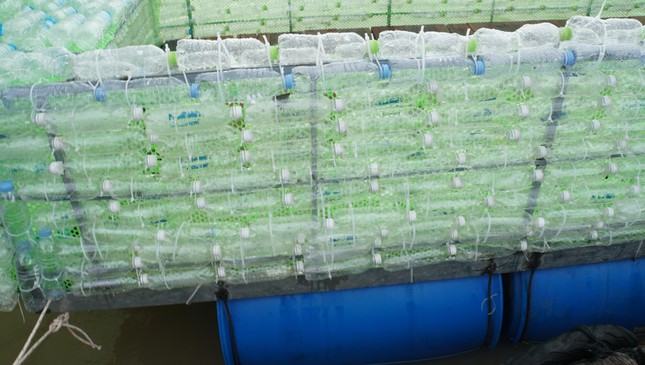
x,y
327,155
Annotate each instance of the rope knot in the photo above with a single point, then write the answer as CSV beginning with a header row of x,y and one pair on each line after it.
x,y
59,322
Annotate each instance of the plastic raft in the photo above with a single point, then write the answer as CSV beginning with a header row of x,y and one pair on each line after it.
x,y
371,325
563,298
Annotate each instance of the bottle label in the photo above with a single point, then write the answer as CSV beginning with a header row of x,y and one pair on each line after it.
x,y
184,119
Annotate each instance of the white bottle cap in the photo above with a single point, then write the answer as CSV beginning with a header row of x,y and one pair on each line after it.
x,y
285,175
593,234
540,222
612,168
247,136
514,135
460,221
526,82
594,125
137,113
433,87
609,212
489,201
297,250
153,138
137,248
221,272
457,182
246,156
378,243
451,250
106,186
599,225
605,101
635,190
301,239
58,143
200,202
428,140
460,158
235,113
611,81
196,187
329,223
300,267
114,206
377,259
540,152
454,235
217,252
412,216
383,232
524,111
338,149
621,144
39,119
538,175
245,233
374,169
338,105
565,196
57,168
143,279
524,245
287,199
341,127
374,186
160,235
137,263
151,161
434,117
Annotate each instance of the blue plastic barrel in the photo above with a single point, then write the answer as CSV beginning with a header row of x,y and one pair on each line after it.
x,y
363,326
563,298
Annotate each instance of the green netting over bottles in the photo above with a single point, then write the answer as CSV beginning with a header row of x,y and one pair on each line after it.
x,y
232,160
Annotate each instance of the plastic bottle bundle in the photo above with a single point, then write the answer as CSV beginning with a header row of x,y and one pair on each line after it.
x,y
302,49
46,65
126,62
196,55
8,8
8,284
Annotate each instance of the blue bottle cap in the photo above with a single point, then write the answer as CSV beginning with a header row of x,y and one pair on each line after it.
x,y
194,91
479,68
385,71
288,81
56,294
1,32
23,246
6,186
12,46
569,58
99,94
44,232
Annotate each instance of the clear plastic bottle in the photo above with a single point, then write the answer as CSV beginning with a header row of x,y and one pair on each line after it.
x,y
46,65
177,279
133,61
20,27
9,8
302,49
51,270
15,215
196,55
28,274
93,30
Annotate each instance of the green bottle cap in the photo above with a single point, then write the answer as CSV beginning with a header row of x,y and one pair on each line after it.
x,y
373,46
565,34
172,58
472,45
274,52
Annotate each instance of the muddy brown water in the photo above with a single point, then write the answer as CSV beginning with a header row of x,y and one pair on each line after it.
x,y
162,335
